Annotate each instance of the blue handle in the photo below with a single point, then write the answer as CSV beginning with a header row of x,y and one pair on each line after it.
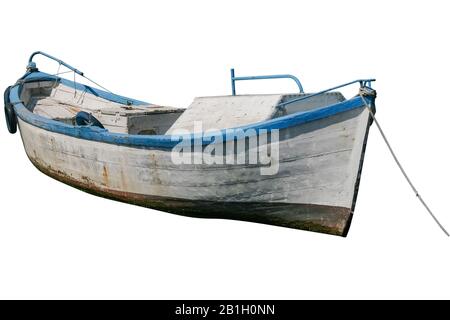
x,y
55,59
274,76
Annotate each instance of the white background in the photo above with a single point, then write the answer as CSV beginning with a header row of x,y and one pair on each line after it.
x,y
57,242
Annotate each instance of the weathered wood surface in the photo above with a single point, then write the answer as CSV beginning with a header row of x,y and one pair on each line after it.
x,y
314,188
222,112
319,165
59,102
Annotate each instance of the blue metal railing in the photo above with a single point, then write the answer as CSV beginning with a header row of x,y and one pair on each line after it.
x,y
30,61
274,76
362,83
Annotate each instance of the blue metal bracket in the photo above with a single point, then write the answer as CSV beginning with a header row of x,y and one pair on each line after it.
x,y
32,64
275,76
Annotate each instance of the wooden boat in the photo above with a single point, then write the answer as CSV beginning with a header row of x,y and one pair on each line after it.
x,y
123,149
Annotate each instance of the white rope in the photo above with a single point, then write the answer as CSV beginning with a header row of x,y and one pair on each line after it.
x,y
59,68
97,84
55,84
107,90
63,72
401,167
74,86
74,81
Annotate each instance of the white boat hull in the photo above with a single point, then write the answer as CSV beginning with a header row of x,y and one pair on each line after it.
x,y
315,188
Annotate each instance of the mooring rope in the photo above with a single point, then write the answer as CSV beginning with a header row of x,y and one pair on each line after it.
x,y
401,167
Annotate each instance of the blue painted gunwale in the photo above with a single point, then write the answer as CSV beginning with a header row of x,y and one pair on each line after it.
x,y
82,87
158,141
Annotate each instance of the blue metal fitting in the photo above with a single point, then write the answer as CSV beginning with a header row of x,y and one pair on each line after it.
x,y
31,66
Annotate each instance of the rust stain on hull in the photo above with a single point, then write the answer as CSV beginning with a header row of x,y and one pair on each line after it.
x,y
105,176
317,218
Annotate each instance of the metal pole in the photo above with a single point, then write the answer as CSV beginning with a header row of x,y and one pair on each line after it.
x,y
233,86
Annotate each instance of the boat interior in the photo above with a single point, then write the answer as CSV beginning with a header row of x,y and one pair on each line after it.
x,y
57,101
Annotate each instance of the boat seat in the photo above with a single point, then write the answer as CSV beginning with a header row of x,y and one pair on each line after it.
x,y
221,112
